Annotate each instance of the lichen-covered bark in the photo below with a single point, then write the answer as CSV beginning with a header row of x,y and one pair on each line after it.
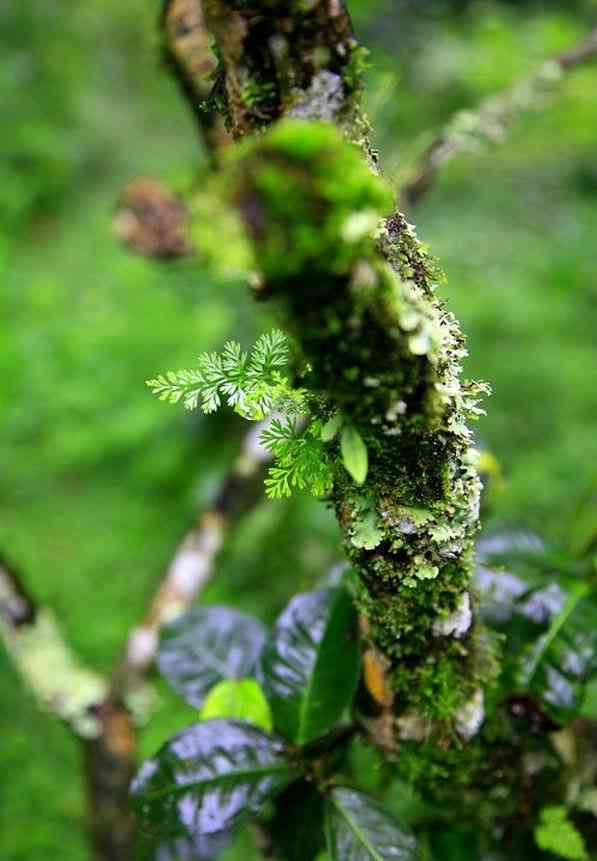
x,y
385,352
287,57
358,294
491,122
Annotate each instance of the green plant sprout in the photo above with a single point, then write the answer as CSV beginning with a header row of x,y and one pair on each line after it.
x,y
255,387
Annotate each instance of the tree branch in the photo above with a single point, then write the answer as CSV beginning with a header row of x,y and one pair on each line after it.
x,y
67,690
193,563
98,712
468,131
383,351
60,683
186,50
280,61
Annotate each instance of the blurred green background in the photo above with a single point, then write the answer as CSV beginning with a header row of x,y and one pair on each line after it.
x,y
98,480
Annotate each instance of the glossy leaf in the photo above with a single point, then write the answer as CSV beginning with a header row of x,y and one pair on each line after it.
x,y
310,665
206,645
354,453
556,665
208,776
359,829
241,699
203,847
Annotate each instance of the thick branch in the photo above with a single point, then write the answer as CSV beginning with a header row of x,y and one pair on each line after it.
x,y
281,57
383,351
469,130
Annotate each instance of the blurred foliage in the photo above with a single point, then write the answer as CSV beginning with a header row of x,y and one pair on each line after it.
x,y
98,480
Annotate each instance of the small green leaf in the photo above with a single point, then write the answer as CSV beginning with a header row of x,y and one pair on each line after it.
x,y
354,453
210,775
242,699
310,666
556,833
359,829
331,427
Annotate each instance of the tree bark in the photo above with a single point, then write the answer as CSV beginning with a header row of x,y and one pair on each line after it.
x,y
383,350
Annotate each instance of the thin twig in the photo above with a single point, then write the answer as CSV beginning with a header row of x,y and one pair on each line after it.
x,y
469,130
97,712
76,695
193,563
187,51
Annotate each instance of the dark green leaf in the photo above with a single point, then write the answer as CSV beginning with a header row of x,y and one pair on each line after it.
x,y
206,645
556,666
204,847
210,774
311,664
297,828
354,453
359,829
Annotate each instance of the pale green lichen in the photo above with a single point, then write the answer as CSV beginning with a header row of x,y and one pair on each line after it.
x,y
60,684
384,352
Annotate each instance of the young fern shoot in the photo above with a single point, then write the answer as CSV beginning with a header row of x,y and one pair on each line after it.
x,y
251,384
254,386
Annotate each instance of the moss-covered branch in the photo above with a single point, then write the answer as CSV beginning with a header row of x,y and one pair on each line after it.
x,y
358,294
287,57
386,354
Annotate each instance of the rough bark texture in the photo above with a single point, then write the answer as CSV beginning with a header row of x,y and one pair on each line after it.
x,y
287,57
358,294
187,51
385,352
110,763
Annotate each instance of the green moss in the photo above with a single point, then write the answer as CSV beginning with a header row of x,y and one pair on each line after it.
x,y
328,230
384,352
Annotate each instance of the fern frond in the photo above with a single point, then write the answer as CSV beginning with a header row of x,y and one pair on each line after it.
x,y
254,387
185,385
269,352
301,461
279,430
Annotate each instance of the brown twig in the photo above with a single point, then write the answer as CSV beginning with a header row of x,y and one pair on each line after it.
x,y
193,563
493,119
186,50
97,712
152,221
76,695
